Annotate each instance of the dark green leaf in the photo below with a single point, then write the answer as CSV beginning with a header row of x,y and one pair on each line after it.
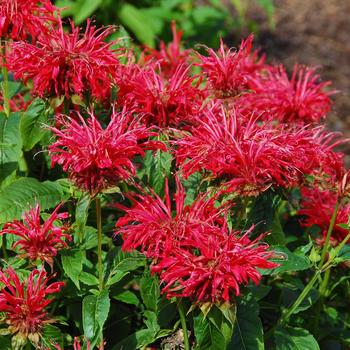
x,y
288,338
32,122
264,214
5,343
290,261
344,254
10,143
151,321
126,296
150,292
137,340
157,168
72,263
88,279
208,336
95,313
131,263
23,193
248,332
81,214
52,335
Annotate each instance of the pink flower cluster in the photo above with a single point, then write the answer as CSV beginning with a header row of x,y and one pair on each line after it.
x,y
39,240
97,158
24,302
194,252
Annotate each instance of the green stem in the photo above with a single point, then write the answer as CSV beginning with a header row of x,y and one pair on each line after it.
x,y
183,324
329,233
301,297
99,242
5,83
324,283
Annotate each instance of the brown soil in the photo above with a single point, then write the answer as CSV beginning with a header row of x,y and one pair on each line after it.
x,y
316,33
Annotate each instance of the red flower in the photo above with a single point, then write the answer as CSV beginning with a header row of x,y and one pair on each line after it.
x,y
210,267
151,227
64,64
317,207
97,158
39,240
20,19
170,56
251,157
193,251
301,99
228,71
173,102
24,302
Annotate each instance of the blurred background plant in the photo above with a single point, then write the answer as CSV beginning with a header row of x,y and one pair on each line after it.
x,y
148,21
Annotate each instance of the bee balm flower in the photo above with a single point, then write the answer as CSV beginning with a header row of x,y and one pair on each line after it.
x,y
65,64
211,267
150,225
97,158
24,302
20,19
39,240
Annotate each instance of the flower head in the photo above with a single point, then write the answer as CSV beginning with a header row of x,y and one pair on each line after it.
x,y
97,158
301,99
24,302
317,207
250,157
228,70
171,56
39,240
170,102
192,249
149,225
20,19
64,64
210,268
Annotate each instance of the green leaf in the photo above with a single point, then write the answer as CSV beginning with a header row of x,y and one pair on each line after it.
x,y
290,261
137,340
72,263
344,254
10,143
88,278
151,321
150,292
288,338
81,213
120,263
137,23
5,343
32,122
248,332
95,313
208,336
264,215
158,169
24,193
51,336
84,9
131,263
126,296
